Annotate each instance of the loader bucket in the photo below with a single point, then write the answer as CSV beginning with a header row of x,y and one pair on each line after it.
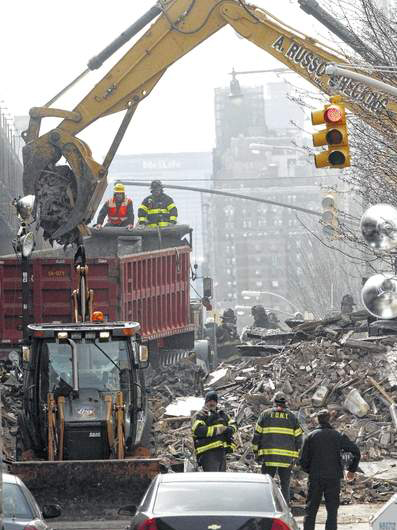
x,y
87,489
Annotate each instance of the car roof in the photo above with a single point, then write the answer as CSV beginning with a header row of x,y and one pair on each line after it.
x,y
214,477
11,479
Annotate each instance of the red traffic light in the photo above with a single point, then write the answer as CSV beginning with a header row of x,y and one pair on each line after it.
x,y
333,115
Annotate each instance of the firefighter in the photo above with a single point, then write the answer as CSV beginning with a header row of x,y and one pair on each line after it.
x,y
158,209
321,459
261,318
228,329
119,210
213,432
347,304
277,440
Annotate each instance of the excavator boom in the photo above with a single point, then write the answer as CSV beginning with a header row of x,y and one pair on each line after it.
x,y
68,196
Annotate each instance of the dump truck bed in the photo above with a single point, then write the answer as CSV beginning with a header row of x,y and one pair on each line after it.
x,y
149,286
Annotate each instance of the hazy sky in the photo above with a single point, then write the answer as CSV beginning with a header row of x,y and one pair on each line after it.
x,y
45,44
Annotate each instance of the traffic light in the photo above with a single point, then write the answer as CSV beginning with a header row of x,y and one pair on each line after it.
x,y
329,218
335,135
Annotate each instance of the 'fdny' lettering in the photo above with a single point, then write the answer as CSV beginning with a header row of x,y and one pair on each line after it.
x,y
283,415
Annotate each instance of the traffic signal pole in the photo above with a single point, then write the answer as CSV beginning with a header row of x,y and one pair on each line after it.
x,y
128,182
333,69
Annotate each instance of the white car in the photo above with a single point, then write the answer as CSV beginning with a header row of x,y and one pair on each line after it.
x,y
20,510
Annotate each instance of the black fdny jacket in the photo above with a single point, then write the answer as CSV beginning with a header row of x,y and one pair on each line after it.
x,y
321,453
157,211
277,437
204,431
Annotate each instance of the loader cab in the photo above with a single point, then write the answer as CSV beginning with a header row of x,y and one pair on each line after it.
x,y
85,368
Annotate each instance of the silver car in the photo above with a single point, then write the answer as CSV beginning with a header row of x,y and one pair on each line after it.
x,y
20,510
213,501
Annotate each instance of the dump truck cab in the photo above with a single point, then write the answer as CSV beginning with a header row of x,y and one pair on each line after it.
x,y
86,372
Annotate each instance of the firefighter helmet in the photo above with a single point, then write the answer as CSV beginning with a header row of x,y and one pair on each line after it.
x,y
156,185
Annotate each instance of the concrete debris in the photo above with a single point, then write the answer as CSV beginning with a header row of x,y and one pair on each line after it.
x,y
11,403
313,374
184,406
358,385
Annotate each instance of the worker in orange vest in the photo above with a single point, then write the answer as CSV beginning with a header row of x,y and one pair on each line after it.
x,y
119,210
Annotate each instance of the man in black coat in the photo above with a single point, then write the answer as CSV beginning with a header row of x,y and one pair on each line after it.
x,y
321,459
213,432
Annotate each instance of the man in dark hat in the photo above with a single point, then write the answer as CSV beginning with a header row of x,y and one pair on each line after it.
x,y
277,440
213,432
321,459
346,307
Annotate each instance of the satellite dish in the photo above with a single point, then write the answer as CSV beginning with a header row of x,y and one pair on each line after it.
x,y
379,227
379,295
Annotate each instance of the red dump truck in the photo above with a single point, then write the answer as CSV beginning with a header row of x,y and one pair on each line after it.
x,y
135,276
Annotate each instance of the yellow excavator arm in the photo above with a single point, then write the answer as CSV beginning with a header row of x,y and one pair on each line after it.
x,y
69,195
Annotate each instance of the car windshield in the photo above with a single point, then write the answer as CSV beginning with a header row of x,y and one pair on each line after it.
x,y
96,370
184,497
15,503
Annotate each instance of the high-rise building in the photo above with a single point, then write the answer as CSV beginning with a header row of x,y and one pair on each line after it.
x,y
281,112
10,183
241,114
254,246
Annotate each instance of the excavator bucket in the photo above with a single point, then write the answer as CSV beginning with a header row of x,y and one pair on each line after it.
x,y
88,488
67,196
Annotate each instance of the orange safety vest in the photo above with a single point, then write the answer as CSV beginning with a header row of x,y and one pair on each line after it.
x,y
116,215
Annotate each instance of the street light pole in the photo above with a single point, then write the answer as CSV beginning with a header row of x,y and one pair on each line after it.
x,y
247,307
258,293
265,147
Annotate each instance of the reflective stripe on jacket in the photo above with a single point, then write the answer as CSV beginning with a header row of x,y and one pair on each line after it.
x,y
204,427
118,214
277,438
157,211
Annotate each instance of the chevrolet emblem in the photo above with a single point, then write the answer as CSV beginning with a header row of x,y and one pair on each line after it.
x,y
214,527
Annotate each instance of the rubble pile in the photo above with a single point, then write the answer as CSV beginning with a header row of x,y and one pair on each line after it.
x,y
171,428
11,403
357,383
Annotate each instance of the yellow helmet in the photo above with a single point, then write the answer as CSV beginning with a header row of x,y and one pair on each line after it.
x,y
119,188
